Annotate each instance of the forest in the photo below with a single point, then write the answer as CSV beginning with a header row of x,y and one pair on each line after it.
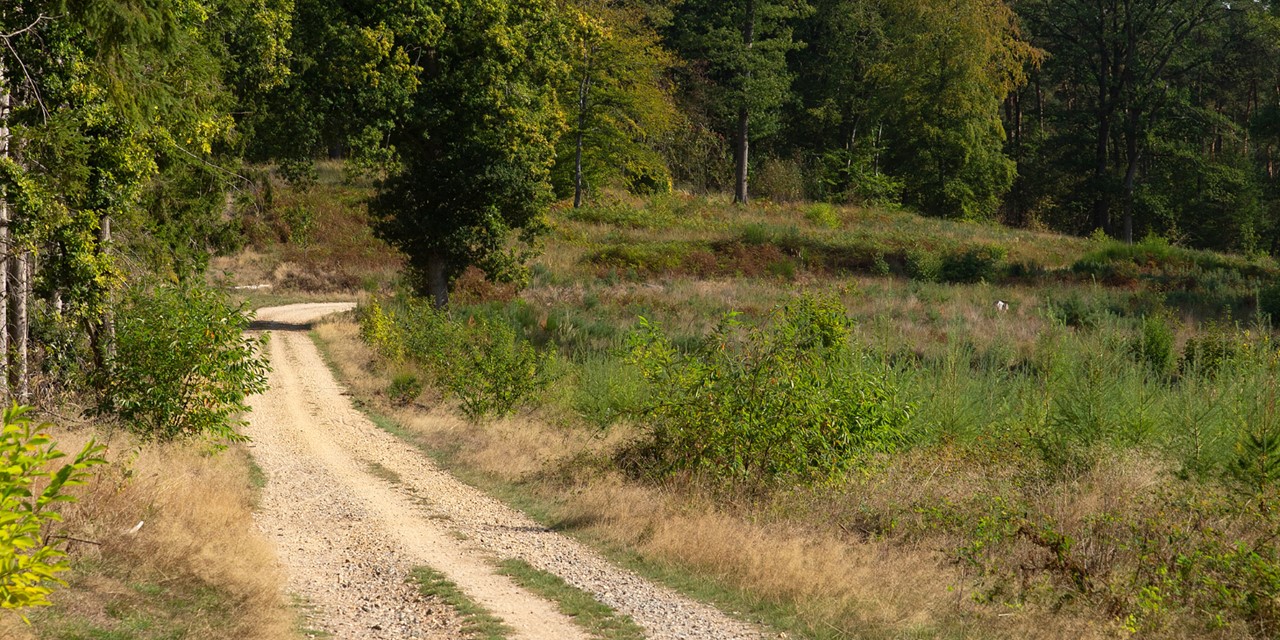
x,y
875,278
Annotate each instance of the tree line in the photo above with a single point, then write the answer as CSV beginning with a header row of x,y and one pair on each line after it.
x,y
154,117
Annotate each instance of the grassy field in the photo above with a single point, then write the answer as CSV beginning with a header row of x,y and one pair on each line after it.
x,y
1099,456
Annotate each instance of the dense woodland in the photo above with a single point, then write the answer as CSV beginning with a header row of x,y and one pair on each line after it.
x,y
1133,118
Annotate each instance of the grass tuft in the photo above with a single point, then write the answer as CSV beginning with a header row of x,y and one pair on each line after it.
x,y
596,618
477,622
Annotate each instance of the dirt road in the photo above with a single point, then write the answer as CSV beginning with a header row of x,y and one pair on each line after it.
x,y
351,510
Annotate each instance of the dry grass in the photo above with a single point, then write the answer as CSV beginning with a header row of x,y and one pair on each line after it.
x,y
197,568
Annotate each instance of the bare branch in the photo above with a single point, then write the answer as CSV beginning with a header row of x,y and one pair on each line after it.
x,y
40,18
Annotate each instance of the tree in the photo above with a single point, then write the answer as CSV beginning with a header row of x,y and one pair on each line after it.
x,y
940,85
1117,60
110,97
740,49
477,143
623,99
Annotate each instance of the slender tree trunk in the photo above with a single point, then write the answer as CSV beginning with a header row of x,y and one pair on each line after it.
x,y
741,157
1101,205
437,281
19,289
584,103
4,242
1131,172
743,154
108,338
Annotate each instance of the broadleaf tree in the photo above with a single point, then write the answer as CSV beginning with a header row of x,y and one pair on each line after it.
x,y
618,99
477,143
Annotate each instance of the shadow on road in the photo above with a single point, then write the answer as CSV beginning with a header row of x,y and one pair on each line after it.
x,y
274,325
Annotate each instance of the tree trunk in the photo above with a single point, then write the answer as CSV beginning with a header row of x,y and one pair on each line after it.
x,y
1131,173
1101,206
20,289
437,281
4,242
108,338
741,158
584,103
743,153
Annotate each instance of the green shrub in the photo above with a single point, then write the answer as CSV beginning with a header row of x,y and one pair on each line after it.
x,y
973,265
494,372
924,265
1269,302
480,361
404,388
823,214
1076,311
1216,346
29,491
182,364
779,180
788,400
1154,344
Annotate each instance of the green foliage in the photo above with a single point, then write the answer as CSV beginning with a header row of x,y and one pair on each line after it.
x,y
1154,345
476,144
1217,346
405,388
791,401
480,361
182,366
617,99
973,265
942,80
823,215
30,493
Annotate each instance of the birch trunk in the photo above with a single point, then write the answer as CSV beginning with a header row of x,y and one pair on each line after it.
x,y
742,153
4,242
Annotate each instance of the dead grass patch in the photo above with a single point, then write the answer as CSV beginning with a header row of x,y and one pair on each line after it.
x,y
196,568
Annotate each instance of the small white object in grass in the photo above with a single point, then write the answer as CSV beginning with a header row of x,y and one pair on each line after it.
x,y
136,528
1002,306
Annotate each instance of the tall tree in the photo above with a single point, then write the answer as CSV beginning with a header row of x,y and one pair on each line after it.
x,y
948,68
477,144
619,98
739,48
1119,57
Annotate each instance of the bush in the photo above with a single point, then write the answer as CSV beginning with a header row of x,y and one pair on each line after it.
x,y
973,265
480,361
1154,345
494,372
405,388
182,365
1269,302
924,265
823,214
790,400
1208,353
28,492
779,180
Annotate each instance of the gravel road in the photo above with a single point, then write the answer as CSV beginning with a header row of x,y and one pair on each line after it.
x,y
351,510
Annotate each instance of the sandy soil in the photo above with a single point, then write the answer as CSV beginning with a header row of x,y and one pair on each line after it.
x,y
351,510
